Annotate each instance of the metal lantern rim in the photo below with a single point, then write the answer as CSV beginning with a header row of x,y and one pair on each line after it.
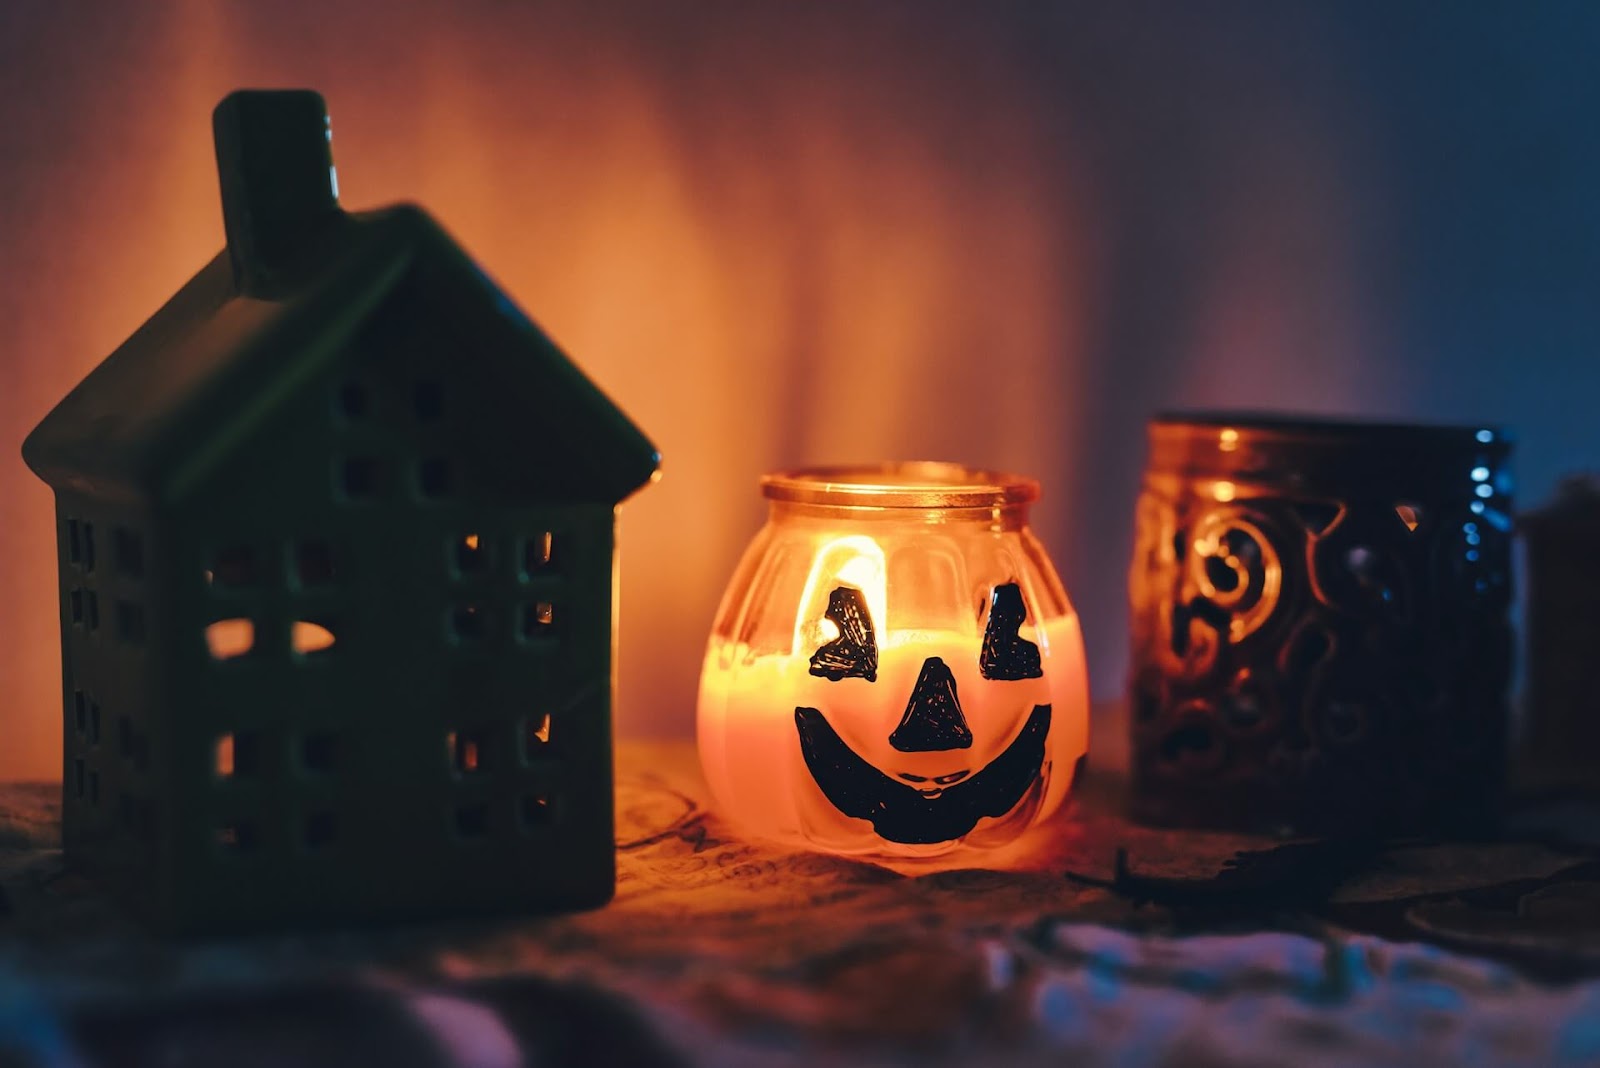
x,y
1312,428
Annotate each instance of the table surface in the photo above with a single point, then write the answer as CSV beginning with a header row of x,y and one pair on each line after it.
x,y
1114,945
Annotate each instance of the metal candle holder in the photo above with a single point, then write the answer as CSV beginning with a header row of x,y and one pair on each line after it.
x,y
1319,623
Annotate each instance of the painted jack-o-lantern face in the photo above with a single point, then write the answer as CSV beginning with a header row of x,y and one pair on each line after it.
x,y
895,672
939,796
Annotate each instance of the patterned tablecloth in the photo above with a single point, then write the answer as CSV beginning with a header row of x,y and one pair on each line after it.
x,y
1115,946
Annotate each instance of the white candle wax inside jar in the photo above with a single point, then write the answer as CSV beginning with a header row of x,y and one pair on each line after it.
x,y
752,755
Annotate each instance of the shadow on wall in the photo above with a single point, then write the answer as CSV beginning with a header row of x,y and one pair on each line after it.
x,y
774,236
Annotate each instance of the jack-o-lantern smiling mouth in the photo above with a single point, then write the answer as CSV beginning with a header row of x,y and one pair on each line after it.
x,y
904,814
924,809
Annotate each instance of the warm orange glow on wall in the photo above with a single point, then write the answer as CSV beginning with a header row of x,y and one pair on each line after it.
x,y
775,235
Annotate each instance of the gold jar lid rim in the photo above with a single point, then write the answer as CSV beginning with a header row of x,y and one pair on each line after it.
x,y
918,484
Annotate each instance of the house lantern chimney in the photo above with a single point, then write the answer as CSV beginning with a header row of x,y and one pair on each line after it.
x,y
275,162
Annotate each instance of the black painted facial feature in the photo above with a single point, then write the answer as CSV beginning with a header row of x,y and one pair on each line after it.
x,y
935,808
1007,655
913,816
854,653
933,721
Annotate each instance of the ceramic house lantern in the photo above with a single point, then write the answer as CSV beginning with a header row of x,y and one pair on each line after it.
x,y
336,534
895,672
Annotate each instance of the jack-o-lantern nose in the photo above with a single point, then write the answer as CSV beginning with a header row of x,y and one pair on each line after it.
x,y
933,721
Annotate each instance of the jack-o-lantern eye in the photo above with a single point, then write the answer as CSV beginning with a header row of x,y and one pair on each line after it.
x,y
854,653
1007,655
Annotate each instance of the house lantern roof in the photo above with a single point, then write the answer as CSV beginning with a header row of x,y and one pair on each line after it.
x,y
298,280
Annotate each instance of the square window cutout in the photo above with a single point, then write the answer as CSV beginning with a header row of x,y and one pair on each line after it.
x,y
539,554
435,477
321,829
470,554
230,639
538,621
130,622
232,566
237,755
313,564
536,736
467,623
319,752
472,821
468,750
427,400
313,638
238,836
358,478
354,401
539,809
128,549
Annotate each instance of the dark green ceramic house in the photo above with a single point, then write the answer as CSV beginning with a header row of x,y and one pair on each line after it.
x,y
336,533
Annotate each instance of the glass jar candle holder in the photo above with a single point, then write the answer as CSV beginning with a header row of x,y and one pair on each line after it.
x,y
895,672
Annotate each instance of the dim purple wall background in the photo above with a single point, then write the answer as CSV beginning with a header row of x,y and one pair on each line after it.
x,y
996,233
